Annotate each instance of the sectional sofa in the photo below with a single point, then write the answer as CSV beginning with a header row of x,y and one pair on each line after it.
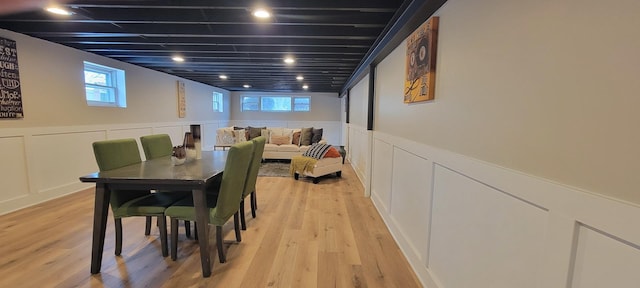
x,y
282,143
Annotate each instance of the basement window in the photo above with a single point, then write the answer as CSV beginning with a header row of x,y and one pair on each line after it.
x,y
276,103
217,102
250,103
301,104
104,86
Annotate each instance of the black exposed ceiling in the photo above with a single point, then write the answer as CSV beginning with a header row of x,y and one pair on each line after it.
x,y
328,38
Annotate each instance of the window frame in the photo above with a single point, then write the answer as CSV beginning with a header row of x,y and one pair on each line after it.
x,y
115,85
308,104
218,100
254,100
260,103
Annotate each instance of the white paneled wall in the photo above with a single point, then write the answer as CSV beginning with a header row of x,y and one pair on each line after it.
x,y
465,223
14,176
359,153
39,164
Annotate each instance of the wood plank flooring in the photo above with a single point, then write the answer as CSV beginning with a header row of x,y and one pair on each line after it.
x,y
305,235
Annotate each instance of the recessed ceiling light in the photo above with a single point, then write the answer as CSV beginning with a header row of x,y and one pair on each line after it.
x,y
305,87
246,86
59,11
261,13
177,59
299,78
289,60
223,77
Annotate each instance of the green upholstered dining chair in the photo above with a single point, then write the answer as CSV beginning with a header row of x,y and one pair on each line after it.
x,y
112,154
222,207
156,146
252,179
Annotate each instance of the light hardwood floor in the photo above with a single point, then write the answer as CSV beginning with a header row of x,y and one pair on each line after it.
x,y
305,235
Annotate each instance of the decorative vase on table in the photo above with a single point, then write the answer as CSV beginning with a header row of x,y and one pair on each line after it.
x,y
189,146
178,155
195,132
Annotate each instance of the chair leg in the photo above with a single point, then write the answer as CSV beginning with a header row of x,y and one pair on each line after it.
x,y
162,223
236,227
254,204
118,226
187,228
243,221
174,238
221,255
147,227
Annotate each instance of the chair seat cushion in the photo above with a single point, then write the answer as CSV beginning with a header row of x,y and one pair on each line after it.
x,y
154,203
184,209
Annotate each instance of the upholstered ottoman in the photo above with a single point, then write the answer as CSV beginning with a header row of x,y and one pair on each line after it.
x,y
324,166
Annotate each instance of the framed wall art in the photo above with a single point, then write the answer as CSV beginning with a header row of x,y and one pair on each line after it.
x,y
421,63
10,94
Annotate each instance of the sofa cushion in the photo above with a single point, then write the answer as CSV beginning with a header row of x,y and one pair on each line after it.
x,y
317,135
281,148
266,133
306,136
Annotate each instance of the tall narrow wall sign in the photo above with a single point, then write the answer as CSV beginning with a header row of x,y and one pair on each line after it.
x,y
421,63
10,95
182,101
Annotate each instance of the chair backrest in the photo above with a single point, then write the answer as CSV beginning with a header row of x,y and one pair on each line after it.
x,y
112,154
256,161
233,179
157,145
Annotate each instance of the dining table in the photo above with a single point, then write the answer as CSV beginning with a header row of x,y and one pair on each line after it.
x,y
157,174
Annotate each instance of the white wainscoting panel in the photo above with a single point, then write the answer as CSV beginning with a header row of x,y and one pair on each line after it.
x,y
482,237
603,260
359,145
59,159
494,227
208,131
381,174
13,169
411,199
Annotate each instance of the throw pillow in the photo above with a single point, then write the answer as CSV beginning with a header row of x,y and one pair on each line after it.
x,y
332,153
246,131
317,136
317,151
280,140
227,138
296,138
255,132
305,136
239,135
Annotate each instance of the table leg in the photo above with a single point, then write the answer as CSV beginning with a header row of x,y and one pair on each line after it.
x,y
100,213
202,225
